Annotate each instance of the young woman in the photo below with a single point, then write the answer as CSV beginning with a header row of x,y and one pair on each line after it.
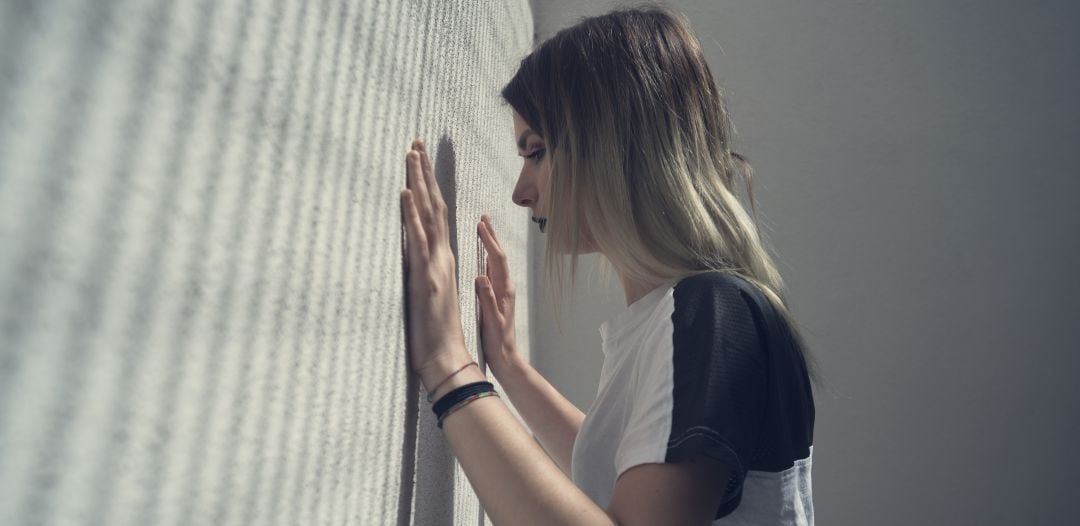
x,y
705,411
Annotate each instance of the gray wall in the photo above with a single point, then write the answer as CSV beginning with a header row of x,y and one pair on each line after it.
x,y
200,260
915,166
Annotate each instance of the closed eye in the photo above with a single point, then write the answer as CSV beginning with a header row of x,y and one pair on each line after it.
x,y
536,155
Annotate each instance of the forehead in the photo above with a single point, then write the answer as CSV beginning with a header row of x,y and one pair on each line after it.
x,y
519,123
522,132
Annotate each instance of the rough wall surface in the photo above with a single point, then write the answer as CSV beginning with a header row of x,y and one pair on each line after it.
x,y
201,315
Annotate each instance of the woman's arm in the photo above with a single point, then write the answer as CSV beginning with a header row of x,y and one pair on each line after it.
x,y
515,481
552,418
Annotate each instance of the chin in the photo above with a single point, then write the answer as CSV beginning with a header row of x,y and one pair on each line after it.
x,y
587,247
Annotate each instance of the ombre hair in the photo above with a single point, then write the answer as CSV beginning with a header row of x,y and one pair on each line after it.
x,y
639,142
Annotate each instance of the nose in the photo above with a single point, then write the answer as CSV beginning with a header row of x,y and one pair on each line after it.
x,y
525,193
523,201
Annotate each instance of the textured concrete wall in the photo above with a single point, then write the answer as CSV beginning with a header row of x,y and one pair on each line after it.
x,y
200,260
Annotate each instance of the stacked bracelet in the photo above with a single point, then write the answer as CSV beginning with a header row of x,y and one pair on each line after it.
x,y
461,397
436,388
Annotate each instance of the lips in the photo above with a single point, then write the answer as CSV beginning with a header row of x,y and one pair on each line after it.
x,y
542,221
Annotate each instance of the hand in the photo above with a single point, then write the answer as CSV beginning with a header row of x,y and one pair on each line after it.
x,y
433,319
496,293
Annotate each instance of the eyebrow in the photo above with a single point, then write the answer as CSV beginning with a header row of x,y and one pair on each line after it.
x,y
524,135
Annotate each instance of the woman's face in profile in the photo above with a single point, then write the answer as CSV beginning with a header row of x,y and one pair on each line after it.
x,y
532,183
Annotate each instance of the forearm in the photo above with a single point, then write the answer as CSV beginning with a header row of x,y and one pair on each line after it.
x,y
515,481
550,416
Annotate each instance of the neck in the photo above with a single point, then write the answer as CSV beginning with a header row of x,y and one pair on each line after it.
x,y
635,290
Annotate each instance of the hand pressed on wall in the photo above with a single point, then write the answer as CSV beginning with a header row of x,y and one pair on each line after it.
x,y
496,293
433,318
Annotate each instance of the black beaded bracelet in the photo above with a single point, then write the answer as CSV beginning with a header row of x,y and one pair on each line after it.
x,y
461,393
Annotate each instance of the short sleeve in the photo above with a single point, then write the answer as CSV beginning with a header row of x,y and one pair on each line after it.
x,y
714,390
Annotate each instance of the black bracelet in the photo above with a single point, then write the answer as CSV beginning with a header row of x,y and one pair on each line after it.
x,y
449,399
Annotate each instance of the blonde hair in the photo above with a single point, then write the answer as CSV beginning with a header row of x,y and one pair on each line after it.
x,y
639,142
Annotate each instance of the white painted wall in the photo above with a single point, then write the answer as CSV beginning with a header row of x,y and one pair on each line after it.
x,y
914,163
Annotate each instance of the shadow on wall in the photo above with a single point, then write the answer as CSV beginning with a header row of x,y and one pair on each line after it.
x,y
427,464
446,176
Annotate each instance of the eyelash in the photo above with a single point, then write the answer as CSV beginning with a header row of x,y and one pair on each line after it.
x,y
535,156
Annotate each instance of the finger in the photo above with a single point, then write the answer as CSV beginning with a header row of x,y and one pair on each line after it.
x,y
504,292
488,303
497,267
417,239
487,234
498,271
437,202
440,218
491,228
415,181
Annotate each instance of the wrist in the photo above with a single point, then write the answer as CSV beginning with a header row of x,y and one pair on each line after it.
x,y
513,365
437,373
468,375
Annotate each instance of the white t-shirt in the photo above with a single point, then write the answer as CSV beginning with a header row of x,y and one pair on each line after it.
x,y
704,365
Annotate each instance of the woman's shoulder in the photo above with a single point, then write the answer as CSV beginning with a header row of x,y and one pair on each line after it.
x,y
715,292
712,279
